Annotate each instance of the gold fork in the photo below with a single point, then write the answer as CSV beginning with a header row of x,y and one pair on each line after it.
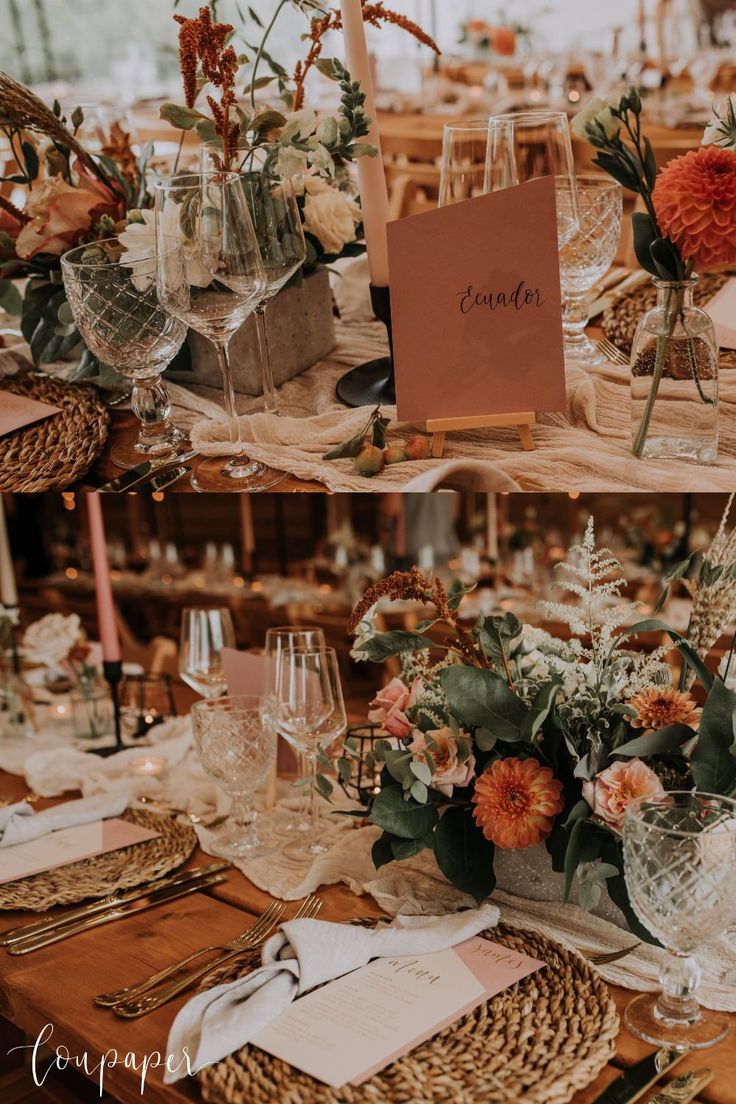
x,y
150,1002
605,959
250,937
612,352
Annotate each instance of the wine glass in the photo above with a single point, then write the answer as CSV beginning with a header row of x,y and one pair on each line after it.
x,y
310,712
115,309
210,276
586,258
464,161
272,201
278,641
204,634
680,870
235,738
529,145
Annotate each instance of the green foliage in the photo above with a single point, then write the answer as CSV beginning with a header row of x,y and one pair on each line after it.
x,y
478,698
714,758
402,817
464,855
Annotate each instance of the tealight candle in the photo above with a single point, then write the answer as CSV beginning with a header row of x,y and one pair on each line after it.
x,y
148,766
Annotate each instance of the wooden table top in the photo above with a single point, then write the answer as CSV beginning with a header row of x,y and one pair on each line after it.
x,y
56,985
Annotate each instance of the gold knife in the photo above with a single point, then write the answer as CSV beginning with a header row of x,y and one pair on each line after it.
x,y
644,1075
685,1088
170,893
41,927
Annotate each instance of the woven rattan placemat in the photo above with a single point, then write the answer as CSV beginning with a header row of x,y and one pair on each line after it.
x,y
54,453
540,1041
622,317
103,874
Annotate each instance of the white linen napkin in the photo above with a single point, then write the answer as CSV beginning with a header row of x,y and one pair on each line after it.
x,y
20,824
302,955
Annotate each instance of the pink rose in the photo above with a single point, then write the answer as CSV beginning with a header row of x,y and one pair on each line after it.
x,y
62,214
387,710
442,745
611,791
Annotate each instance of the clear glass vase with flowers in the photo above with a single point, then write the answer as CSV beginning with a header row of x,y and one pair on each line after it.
x,y
687,227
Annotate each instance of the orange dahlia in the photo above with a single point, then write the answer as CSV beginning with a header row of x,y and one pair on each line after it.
x,y
695,201
661,706
516,801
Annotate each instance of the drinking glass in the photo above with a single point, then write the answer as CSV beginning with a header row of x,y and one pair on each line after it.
x,y
278,641
464,161
586,258
680,870
204,633
529,145
310,712
211,277
115,309
272,201
235,738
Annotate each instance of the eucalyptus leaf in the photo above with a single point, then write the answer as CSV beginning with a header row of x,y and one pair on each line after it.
x,y
464,855
384,645
404,818
713,760
478,698
663,742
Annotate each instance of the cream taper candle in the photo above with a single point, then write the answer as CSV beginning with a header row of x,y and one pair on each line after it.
x,y
103,587
8,589
371,177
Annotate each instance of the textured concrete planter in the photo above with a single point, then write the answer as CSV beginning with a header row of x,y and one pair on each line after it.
x,y
301,331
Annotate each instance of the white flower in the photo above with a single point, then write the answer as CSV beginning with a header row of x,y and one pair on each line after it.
x,y
597,111
721,130
139,242
330,215
366,631
299,124
321,159
49,641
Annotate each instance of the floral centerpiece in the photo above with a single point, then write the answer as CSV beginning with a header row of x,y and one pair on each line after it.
x,y
57,643
688,224
501,736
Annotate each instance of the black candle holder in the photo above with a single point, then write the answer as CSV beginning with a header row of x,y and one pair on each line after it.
x,y
113,672
363,784
372,384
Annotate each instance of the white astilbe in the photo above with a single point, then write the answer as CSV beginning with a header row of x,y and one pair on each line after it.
x,y
595,579
714,593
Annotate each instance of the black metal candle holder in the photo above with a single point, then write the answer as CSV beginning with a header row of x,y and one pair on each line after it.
x,y
113,672
363,785
372,384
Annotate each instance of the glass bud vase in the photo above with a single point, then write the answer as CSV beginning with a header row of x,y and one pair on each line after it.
x,y
674,378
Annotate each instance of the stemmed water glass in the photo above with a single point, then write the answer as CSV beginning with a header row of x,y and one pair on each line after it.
x,y
277,221
586,258
210,276
204,634
528,145
278,641
464,161
115,308
309,710
680,870
235,738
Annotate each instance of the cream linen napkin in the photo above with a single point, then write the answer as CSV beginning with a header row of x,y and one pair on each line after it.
x,y
302,955
20,824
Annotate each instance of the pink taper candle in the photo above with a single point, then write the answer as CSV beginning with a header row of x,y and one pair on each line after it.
x,y
103,587
371,177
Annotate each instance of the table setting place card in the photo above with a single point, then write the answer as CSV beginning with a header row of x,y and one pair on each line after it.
x,y
722,310
353,1027
17,411
69,845
476,307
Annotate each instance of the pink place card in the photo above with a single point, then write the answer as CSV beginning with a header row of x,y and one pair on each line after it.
x,y
17,411
245,672
722,310
69,845
476,307
355,1026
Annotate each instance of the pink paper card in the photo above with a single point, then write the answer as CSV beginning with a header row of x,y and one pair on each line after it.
x,y
17,411
722,310
245,672
355,1026
69,845
476,307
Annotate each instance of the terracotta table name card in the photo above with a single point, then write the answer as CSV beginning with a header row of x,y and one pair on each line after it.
x,y
477,313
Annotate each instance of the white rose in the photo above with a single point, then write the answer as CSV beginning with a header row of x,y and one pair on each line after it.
x,y
49,641
330,215
139,241
597,111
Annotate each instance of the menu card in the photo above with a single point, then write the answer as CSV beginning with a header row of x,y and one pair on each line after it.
x,y
351,1028
245,672
68,845
17,411
476,307
722,310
